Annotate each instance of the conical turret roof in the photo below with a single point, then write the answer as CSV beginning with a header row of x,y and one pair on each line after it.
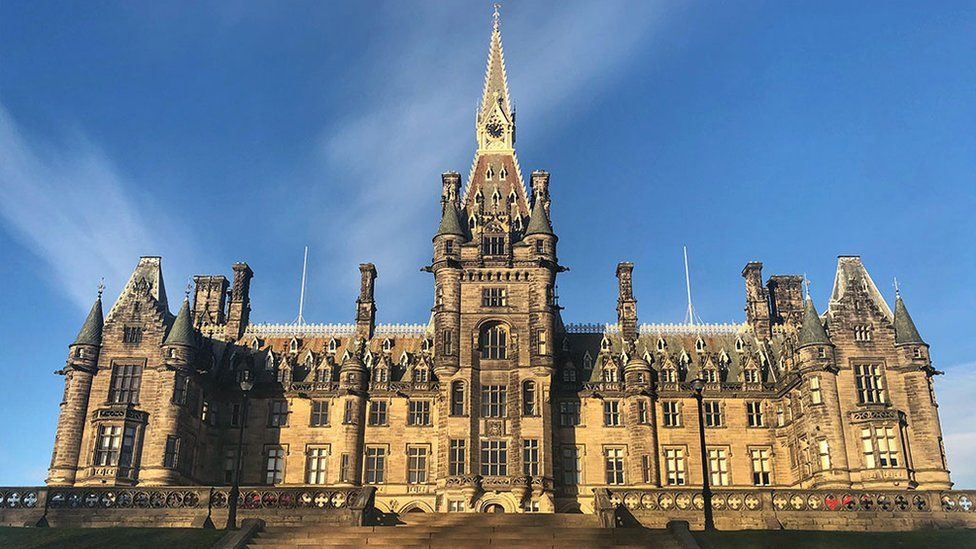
x,y
450,223
182,332
812,332
905,330
539,222
91,330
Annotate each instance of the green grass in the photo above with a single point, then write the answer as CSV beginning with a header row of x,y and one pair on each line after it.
x,y
809,539
85,538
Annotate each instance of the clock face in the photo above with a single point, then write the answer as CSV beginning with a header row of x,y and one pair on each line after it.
x,y
494,129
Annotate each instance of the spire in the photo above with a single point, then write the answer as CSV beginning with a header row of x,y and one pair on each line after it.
x,y
812,332
905,331
496,83
182,331
539,221
91,330
450,224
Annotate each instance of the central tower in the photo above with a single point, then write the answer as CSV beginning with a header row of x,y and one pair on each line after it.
x,y
495,313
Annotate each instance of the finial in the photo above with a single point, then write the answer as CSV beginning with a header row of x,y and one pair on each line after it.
x,y
101,287
806,284
189,287
897,290
497,6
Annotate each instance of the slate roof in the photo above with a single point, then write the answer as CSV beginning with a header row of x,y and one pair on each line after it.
x,y
91,330
905,330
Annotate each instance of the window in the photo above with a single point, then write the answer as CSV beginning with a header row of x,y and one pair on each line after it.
x,y
124,388
375,467
572,465
171,454
862,333
540,247
132,335
180,386
754,414
230,463
349,415
494,458
274,468
207,414
456,506
916,352
377,412
320,413
674,466
669,376
780,416
815,396
418,412
447,338
494,297
713,413
750,376
531,506
416,465
493,401
457,398
542,342
646,469
381,374
710,376
611,413
569,413
528,399
457,457
671,414
494,342
760,466
333,345
718,466
880,448
614,460
643,416
421,374
823,450
493,245
569,374
345,468
448,247
108,446
821,352
610,374
278,413
235,415
530,457
316,459
867,378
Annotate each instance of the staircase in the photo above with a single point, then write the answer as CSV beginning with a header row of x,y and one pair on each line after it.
x,y
464,530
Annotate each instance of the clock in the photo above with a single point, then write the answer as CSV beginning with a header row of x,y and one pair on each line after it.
x,y
494,129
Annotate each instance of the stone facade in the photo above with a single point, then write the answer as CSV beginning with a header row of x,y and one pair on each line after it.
x,y
495,402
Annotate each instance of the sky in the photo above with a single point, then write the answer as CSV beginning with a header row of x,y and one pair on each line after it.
x,y
212,132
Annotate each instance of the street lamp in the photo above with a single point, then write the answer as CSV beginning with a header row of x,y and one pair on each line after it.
x,y
697,385
235,489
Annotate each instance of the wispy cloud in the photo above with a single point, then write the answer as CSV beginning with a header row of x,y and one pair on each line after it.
x,y
955,393
70,206
386,156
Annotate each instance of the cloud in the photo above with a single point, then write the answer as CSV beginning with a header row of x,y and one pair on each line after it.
x,y
70,206
954,392
385,156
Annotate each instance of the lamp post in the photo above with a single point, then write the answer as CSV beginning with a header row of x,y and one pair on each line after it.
x,y
697,386
235,489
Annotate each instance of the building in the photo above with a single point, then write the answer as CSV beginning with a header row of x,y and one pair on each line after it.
x,y
495,404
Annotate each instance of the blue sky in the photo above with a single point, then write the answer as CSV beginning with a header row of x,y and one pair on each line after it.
x,y
786,132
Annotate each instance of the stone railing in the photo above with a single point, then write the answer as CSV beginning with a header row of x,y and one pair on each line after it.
x,y
285,330
662,329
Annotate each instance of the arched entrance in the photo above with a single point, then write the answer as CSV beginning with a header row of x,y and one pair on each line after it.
x,y
494,508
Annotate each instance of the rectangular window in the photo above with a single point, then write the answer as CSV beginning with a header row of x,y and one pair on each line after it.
x,y
780,416
274,465
494,297
713,413
230,463
126,379
572,462
320,413
542,340
643,416
180,388
375,467
528,399
349,416
448,247
646,469
815,396
530,457
171,454
447,337
457,458
823,450
867,378
316,460
754,414
418,412
880,447
862,333
674,466
671,414
235,415
278,413
611,413
377,412
493,401
456,506
132,335
761,467
718,466
493,245
494,458
108,445
417,465
569,413
614,459
345,468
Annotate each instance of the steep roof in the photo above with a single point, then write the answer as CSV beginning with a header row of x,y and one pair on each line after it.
x,y
450,224
905,330
147,277
812,331
91,330
539,222
182,332
851,271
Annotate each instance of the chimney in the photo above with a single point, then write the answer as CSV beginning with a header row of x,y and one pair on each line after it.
x,y
238,315
209,300
365,305
757,299
450,187
626,304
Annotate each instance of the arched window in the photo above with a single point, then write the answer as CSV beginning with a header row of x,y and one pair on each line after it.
x,y
605,343
739,345
387,345
700,345
293,346
528,399
661,344
457,398
494,341
333,345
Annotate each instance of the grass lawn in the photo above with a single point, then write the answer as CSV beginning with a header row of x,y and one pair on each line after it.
x,y
809,539
84,538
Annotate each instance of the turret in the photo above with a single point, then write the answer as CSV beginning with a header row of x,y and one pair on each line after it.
x,y
539,233
353,379
180,346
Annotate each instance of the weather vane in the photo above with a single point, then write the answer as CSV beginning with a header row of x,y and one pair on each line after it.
x,y
101,287
497,6
806,283
189,286
895,284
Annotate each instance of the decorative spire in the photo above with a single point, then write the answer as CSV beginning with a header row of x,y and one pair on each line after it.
x,y
91,330
450,224
539,222
182,332
496,83
812,332
905,331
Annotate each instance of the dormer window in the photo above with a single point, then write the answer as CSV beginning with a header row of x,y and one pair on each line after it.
x,y
404,359
661,344
739,345
750,376
489,173
425,346
472,223
517,223
309,361
496,198
605,344
503,174
269,362
710,376
387,345
333,345
256,344
293,346
669,376
588,361
700,345
610,374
